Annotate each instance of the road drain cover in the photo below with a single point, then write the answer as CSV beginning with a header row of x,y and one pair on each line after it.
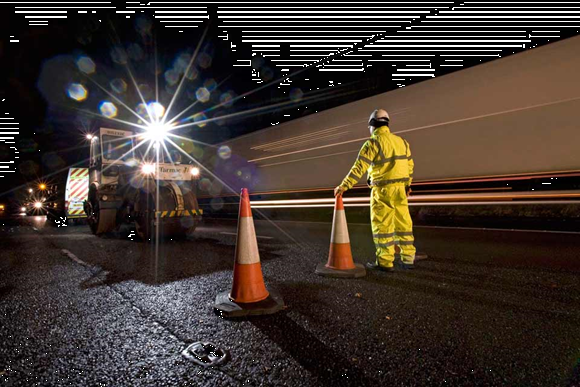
x,y
206,354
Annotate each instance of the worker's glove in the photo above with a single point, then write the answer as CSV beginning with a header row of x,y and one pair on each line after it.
x,y
338,191
408,190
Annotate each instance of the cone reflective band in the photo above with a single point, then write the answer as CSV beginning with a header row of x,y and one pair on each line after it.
x,y
248,295
340,263
248,285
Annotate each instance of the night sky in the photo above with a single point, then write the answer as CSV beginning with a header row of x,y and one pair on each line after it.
x,y
406,42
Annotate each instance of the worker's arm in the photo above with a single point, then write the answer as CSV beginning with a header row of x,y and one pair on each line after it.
x,y
410,162
363,161
411,166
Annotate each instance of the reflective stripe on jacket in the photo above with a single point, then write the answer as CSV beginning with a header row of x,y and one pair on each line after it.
x,y
387,159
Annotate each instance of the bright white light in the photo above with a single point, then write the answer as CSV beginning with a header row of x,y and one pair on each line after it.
x,y
157,132
30,190
195,171
89,136
22,209
38,205
148,169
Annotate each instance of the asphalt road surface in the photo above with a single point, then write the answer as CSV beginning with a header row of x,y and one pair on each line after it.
x,y
486,308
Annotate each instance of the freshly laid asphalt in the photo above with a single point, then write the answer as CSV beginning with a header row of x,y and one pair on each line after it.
x,y
486,308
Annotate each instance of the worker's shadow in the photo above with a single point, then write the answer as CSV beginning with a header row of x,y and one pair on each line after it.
x,y
171,261
421,280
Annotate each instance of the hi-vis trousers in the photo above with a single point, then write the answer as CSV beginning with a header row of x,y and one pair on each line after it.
x,y
391,223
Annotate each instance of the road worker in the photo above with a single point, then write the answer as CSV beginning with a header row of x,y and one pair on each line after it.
x,y
387,159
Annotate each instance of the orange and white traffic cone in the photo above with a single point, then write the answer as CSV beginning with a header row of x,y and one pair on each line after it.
x,y
248,295
340,263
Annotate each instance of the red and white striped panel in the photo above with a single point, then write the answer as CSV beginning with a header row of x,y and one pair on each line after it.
x,y
77,191
79,173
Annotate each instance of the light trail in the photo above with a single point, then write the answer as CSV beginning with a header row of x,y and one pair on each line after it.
x,y
433,204
309,135
415,129
310,158
475,198
292,139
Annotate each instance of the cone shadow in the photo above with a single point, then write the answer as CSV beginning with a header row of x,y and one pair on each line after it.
x,y
328,366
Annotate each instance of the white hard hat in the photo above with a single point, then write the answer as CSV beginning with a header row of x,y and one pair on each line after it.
x,y
378,118
384,116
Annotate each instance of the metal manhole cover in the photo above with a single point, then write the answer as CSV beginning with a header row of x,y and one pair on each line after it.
x,y
206,354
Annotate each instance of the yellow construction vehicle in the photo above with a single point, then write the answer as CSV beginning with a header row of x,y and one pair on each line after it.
x,y
157,193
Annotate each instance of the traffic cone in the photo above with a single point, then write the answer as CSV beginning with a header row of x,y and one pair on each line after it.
x,y
248,295
340,263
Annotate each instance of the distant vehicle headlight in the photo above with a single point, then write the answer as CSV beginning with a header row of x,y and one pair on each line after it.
x,y
22,209
38,205
195,171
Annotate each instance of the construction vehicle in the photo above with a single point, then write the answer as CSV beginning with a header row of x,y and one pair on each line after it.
x,y
127,185
66,195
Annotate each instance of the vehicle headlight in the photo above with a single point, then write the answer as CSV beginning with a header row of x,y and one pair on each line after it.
x,y
22,209
195,171
38,205
148,169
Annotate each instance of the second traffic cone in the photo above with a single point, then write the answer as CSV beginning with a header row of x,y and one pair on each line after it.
x,y
248,295
340,263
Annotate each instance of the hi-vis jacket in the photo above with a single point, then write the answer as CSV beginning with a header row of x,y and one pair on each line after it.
x,y
386,157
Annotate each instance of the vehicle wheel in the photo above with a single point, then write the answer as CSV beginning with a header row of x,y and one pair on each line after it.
x,y
100,220
144,228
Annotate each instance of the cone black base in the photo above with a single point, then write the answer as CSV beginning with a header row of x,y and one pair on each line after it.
x,y
357,272
228,308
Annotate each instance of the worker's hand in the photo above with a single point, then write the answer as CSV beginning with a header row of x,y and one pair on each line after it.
x,y
338,191
408,190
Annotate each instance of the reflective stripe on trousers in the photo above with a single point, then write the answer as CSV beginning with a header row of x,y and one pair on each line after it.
x,y
391,223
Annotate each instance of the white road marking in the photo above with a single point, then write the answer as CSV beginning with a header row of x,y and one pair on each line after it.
x,y
75,258
69,236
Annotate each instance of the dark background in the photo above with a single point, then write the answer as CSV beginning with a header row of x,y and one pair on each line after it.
x,y
391,45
